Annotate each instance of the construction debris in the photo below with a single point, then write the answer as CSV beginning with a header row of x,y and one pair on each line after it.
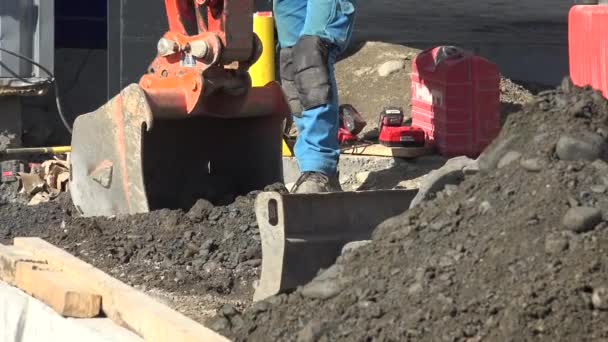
x,y
45,182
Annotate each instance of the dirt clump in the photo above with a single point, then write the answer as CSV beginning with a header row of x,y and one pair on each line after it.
x,y
516,252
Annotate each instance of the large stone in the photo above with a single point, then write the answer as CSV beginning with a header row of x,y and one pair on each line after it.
x,y
200,210
489,158
326,285
508,158
532,164
351,246
322,289
390,67
587,146
451,173
582,219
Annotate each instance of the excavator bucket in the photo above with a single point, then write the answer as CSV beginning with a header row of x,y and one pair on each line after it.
x,y
304,233
132,156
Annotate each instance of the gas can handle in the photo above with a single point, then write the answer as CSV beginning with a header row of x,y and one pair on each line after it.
x,y
442,53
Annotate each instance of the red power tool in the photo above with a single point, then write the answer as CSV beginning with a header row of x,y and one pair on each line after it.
x,y
351,124
394,133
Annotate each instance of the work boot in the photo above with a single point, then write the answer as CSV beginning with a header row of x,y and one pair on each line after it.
x,y
316,182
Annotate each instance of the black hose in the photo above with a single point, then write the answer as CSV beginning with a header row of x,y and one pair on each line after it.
x,y
51,79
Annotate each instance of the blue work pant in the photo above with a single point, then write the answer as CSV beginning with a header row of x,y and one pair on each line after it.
x,y
317,147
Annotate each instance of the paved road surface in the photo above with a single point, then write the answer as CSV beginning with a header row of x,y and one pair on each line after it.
x,y
528,39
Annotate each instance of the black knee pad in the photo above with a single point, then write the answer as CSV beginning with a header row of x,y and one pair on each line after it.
x,y
310,59
288,82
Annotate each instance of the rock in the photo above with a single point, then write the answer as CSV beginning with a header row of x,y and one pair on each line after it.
x,y
215,214
311,332
450,189
532,164
600,165
484,207
415,289
229,310
599,189
362,71
567,85
471,169
253,262
351,246
261,306
450,173
588,146
582,219
200,210
508,158
188,235
209,244
555,244
361,177
219,323
390,67
599,298
489,158
322,289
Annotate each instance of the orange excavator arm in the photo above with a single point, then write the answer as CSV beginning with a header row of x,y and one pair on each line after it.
x,y
210,45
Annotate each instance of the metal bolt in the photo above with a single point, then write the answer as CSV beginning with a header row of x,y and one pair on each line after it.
x,y
199,48
166,47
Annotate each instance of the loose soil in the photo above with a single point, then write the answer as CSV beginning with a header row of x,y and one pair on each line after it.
x,y
208,255
517,252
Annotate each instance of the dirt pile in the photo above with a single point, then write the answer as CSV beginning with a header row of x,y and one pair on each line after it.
x,y
517,252
205,250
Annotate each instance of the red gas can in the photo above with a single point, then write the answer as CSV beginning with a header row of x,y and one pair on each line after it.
x,y
456,100
588,46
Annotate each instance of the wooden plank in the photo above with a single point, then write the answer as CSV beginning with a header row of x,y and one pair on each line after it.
x,y
9,257
67,297
384,151
123,304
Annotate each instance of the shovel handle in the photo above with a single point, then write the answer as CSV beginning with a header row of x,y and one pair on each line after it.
x,y
38,150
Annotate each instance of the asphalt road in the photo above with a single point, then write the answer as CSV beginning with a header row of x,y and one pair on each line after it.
x,y
528,39
489,21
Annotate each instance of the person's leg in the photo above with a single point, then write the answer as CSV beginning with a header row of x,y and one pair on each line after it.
x,y
290,16
325,35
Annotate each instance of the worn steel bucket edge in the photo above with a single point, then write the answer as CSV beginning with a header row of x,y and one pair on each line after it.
x,y
127,159
303,233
